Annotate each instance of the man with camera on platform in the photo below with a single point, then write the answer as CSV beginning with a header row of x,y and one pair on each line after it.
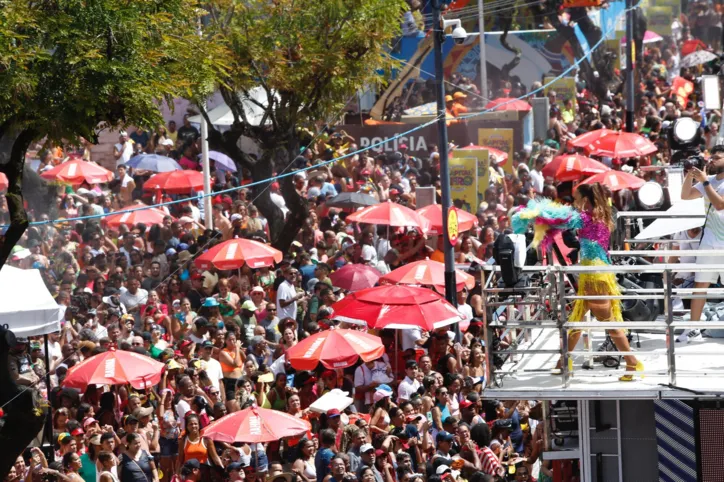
x,y
708,184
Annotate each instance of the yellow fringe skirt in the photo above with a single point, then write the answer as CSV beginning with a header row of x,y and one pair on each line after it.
x,y
603,284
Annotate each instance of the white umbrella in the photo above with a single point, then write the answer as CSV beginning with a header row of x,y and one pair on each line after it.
x,y
223,162
697,58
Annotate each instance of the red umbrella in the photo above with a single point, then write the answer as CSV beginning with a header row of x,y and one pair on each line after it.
x,y
389,214
589,137
508,103
115,368
620,145
433,213
77,171
500,156
550,169
335,349
355,277
255,425
576,167
3,182
691,46
138,213
176,182
616,180
428,273
234,253
396,307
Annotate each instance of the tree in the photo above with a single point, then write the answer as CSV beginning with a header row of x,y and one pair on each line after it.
x,y
310,57
67,69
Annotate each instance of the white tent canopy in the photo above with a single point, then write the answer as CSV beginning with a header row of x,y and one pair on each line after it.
x,y
26,305
222,115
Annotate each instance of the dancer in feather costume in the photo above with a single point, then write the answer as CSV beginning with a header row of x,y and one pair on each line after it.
x,y
593,220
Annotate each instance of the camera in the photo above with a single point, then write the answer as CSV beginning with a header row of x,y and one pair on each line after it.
x,y
459,35
693,161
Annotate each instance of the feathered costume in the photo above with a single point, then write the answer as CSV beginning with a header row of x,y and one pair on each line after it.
x,y
549,218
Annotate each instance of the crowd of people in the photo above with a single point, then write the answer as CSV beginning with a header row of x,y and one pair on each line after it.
x,y
419,414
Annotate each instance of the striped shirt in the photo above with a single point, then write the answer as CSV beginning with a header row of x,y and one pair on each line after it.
x,y
489,461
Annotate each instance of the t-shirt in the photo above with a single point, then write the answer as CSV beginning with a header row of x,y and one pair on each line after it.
x,y
126,150
714,227
213,370
538,181
88,468
129,301
141,138
693,246
406,389
286,292
321,462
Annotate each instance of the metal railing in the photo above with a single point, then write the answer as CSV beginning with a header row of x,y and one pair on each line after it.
x,y
553,291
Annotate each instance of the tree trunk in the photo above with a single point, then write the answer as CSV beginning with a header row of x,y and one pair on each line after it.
x,y
24,417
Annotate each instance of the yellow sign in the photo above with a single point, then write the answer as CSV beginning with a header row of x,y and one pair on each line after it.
x,y
453,230
464,182
660,19
483,159
501,139
565,89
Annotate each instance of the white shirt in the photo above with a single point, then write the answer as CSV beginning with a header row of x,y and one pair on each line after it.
x,y
409,337
406,389
278,199
693,246
126,150
383,246
286,292
129,301
213,370
714,228
537,180
466,310
369,254
181,408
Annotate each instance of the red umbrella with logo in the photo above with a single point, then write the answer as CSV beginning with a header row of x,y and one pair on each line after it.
x,y
138,213
176,182
335,349
235,253
620,145
691,46
616,180
508,103
115,368
428,273
588,138
500,156
433,213
576,167
394,306
77,171
255,425
389,214
355,277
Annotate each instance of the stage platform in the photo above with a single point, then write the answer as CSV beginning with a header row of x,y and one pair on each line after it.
x,y
699,372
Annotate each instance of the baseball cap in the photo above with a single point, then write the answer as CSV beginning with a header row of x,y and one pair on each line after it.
x,y
444,436
248,305
236,217
466,403
197,275
257,289
170,252
192,464
76,432
141,412
333,413
207,344
89,421
210,302
366,448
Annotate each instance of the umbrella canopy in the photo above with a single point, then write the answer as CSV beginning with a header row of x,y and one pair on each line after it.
x,y
140,214
355,277
429,273
616,180
691,46
433,213
255,425
77,171
396,307
389,214
176,182
154,162
500,156
697,58
575,167
235,253
335,349
589,137
508,103
3,182
550,169
115,368
351,200
223,162
621,145
649,38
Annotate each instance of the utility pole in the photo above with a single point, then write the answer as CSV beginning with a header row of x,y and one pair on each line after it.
x,y
483,56
208,214
439,34
630,77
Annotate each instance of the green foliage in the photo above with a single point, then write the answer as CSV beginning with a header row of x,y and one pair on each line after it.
x,y
68,67
315,54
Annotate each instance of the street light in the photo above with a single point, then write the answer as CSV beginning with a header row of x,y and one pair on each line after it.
x,y
459,34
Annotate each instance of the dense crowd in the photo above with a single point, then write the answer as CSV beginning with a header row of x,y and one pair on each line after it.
x,y
419,413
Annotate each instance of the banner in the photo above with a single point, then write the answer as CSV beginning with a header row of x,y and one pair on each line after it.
x,y
674,4
565,89
464,183
660,19
482,157
499,139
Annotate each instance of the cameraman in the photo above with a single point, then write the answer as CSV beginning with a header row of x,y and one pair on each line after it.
x,y
711,188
